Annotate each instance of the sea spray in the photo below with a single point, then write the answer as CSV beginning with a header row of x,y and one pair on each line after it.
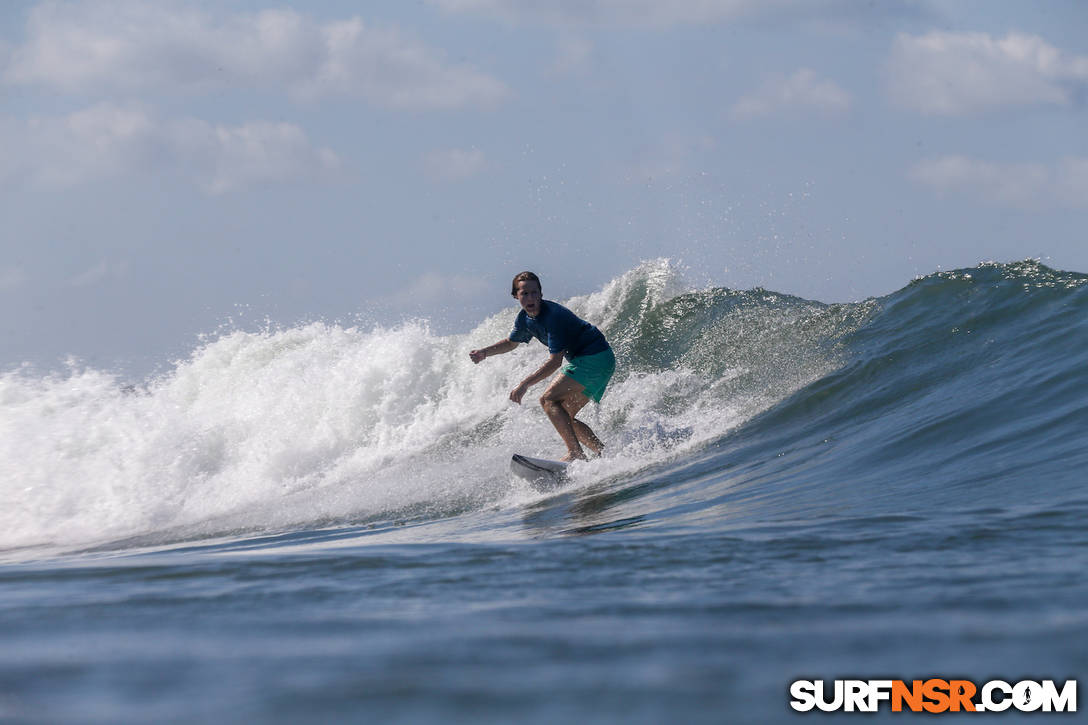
x,y
322,424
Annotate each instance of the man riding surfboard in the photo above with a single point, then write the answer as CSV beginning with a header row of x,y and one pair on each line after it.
x,y
585,375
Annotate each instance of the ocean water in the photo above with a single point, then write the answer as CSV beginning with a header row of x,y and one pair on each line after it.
x,y
318,523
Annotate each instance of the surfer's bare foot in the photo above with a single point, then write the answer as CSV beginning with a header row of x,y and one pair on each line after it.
x,y
573,456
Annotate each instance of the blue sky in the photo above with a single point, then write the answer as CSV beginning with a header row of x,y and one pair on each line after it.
x,y
168,167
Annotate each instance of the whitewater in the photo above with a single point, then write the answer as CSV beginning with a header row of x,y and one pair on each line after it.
x,y
320,519
323,424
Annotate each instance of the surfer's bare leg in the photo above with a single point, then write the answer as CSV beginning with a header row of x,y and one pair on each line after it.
x,y
572,404
554,402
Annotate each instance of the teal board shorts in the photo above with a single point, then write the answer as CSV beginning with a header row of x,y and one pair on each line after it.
x,y
592,371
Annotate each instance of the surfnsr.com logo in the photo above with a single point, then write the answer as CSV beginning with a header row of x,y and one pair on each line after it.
x,y
933,695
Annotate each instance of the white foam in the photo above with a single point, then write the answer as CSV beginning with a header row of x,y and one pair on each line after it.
x,y
321,423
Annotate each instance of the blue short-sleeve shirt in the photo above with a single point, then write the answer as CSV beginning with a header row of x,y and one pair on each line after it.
x,y
560,330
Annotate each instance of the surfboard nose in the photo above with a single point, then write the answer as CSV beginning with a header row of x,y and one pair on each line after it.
x,y
541,473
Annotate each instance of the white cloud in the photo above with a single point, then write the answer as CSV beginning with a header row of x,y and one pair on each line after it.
x,y
1026,186
129,46
592,12
454,164
801,92
659,13
96,143
433,288
107,141
950,74
226,158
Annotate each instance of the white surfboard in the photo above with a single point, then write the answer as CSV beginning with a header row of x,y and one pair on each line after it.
x,y
539,472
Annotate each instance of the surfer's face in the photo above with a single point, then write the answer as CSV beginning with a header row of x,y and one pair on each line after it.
x,y
529,297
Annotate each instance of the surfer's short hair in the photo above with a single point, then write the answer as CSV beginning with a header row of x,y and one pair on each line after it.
x,y
522,277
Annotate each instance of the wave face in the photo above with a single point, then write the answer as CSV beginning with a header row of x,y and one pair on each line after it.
x,y
963,390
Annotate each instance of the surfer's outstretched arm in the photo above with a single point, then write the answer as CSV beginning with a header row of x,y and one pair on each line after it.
x,y
477,356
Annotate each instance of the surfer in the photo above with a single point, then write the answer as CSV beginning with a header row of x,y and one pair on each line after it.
x,y
589,367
